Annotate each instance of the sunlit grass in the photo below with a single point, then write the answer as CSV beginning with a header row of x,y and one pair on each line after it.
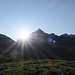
x,y
45,67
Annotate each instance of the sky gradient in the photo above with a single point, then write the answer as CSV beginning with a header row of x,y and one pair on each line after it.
x,y
52,16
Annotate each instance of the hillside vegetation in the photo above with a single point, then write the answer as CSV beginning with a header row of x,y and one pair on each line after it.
x,y
38,67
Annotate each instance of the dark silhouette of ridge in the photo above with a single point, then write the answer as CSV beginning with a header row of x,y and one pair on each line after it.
x,y
40,46
39,31
4,40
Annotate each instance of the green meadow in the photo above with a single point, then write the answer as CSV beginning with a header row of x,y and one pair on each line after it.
x,y
38,67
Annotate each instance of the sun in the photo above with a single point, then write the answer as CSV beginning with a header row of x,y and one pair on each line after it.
x,y
24,34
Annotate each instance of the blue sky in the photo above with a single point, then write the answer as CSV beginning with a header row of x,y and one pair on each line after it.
x,y
52,16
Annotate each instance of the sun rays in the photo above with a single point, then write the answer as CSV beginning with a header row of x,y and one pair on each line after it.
x,y
7,49
24,35
30,43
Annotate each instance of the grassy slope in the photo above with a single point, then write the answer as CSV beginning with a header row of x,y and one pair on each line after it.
x,y
38,67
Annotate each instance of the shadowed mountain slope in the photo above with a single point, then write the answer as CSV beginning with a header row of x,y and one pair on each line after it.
x,y
40,46
49,46
5,41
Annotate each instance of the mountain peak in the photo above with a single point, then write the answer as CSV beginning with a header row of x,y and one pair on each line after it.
x,y
39,31
65,34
